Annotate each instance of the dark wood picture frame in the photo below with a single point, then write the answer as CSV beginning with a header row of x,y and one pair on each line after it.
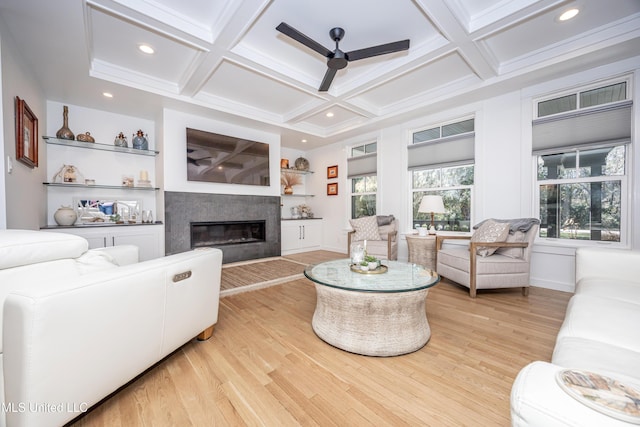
x,y
332,172
332,189
26,134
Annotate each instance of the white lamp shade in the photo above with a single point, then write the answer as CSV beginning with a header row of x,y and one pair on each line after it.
x,y
431,204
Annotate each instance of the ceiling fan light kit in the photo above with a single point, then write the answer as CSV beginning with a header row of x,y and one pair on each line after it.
x,y
337,59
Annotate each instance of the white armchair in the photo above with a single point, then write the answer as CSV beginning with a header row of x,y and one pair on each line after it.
x,y
498,255
77,324
380,232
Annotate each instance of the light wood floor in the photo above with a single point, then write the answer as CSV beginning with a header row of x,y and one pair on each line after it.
x,y
264,366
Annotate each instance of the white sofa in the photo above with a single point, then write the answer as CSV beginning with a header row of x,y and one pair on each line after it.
x,y
600,334
77,324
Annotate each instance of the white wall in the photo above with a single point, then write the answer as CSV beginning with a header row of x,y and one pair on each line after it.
x,y
3,162
175,161
504,180
22,198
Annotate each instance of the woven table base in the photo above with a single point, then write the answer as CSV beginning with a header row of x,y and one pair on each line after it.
x,y
372,323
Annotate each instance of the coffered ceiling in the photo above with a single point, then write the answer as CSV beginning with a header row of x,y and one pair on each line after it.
x,y
224,59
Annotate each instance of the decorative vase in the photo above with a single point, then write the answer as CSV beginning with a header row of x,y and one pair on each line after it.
x,y
422,231
64,132
288,190
65,215
139,141
120,141
302,164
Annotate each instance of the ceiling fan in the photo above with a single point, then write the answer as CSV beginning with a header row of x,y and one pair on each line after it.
x,y
338,59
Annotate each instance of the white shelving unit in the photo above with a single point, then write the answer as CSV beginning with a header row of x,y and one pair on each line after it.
x,y
107,165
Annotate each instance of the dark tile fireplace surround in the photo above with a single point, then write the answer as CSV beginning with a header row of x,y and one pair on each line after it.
x,y
184,209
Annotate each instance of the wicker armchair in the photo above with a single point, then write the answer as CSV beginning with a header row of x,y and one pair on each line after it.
x,y
477,266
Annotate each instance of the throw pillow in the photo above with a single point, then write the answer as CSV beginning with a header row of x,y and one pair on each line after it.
x,y
366,228
517,236
490,231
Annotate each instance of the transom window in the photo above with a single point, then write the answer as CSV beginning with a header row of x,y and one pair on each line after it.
x,y
609,93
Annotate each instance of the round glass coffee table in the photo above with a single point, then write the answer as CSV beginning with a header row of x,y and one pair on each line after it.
x,y
371,313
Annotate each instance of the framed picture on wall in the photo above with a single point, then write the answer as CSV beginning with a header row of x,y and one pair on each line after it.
x,y
332,189
26,134
332,172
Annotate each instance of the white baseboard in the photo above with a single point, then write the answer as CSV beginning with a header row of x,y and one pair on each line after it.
x,y
548,284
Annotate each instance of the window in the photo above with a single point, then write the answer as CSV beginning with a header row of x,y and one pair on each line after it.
x,y
454,184
441,161
580,194
580,145
363,196
362,169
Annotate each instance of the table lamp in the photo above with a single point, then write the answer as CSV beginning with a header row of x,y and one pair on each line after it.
x,y
431,204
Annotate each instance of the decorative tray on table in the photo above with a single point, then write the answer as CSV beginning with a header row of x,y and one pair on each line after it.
x,y
381,269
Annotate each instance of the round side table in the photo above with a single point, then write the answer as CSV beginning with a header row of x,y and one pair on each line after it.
x,y
422,250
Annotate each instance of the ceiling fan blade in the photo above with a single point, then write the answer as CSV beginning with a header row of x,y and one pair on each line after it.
x,y
382,49
287,30
328,78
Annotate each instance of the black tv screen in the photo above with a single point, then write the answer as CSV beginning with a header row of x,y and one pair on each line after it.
x,y
212,157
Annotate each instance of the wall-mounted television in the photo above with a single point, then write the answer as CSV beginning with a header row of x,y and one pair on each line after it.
x,y
212,157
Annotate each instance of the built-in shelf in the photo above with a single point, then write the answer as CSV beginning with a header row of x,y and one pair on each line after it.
x,y
297,195
97,146
112,187
295,171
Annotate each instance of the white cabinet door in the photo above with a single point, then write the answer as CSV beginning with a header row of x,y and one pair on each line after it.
x,y
301,235
148,238
291,234
312,234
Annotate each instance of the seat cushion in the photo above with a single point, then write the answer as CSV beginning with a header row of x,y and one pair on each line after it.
x,y
24,247
379,249
366,228
606,320
458,258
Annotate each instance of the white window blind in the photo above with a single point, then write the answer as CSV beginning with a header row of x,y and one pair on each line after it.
x,y
364,165
442,152
611,123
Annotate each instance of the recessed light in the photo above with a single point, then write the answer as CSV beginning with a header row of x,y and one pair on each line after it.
x,y
146,49
571,13
107,95
304,141
329,114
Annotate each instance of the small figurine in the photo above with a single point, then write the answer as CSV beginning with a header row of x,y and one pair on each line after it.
x,y
120,141
140,141
85,137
